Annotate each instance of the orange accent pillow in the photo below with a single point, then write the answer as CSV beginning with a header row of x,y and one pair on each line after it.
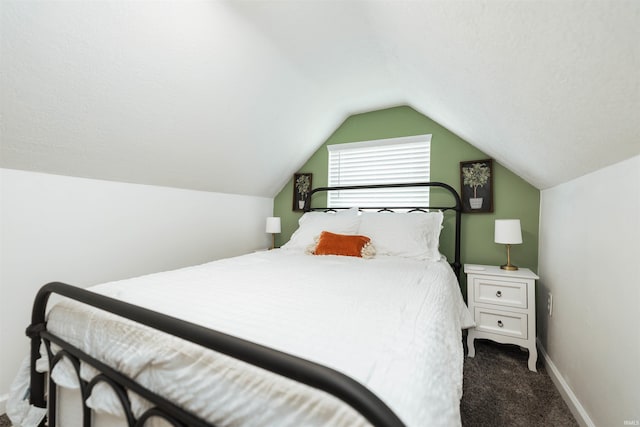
x,y
340,244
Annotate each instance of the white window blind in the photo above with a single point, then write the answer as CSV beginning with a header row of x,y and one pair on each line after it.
x,y
383,161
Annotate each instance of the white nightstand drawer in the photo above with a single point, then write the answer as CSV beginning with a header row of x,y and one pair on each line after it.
x,y
501,322
491,291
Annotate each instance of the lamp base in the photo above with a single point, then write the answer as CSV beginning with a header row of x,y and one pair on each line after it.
x,y
509,267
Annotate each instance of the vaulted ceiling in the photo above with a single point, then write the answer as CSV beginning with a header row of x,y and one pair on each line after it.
x,y
235,96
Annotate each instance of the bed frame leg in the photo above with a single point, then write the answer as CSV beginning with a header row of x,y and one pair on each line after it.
x,y
37,379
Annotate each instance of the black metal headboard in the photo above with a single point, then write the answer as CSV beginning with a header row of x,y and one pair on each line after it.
x,y
456,207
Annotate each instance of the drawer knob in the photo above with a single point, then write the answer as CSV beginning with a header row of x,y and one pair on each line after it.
x,y
499,294
500,324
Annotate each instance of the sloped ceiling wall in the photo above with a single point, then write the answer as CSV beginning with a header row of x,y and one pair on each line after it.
x,y
234,96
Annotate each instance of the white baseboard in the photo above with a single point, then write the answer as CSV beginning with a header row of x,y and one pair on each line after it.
x,y
565,391
3,403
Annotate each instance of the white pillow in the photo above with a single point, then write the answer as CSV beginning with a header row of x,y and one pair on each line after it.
x,y
410,235
311,224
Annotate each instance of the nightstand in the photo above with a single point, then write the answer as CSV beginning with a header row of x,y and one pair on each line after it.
x,y
503,305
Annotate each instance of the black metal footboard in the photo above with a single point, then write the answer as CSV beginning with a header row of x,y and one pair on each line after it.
x,y
303,371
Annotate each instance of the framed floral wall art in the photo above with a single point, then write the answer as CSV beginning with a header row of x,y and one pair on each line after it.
x,y
476,182
301,189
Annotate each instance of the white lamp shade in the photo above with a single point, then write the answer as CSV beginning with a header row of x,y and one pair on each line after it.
x,y
273,224
507,231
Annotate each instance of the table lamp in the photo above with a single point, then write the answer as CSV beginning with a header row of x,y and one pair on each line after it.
x,y
273,227
507,232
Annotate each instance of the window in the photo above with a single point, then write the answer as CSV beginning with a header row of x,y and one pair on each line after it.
x,y
383,161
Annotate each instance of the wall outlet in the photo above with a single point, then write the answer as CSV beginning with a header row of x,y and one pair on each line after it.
x,y
550,304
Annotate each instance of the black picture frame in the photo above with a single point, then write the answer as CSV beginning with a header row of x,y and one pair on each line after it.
x,y
476,186
301,188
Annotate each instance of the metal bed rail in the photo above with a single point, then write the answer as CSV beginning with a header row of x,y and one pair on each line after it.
x,y
312,374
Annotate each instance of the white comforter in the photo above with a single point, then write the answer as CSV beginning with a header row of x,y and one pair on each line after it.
x,y
392,324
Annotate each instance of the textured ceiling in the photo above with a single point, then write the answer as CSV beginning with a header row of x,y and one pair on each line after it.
x,y
234,96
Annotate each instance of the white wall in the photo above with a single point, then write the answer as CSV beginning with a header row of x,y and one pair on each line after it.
x,y
589,257
82,232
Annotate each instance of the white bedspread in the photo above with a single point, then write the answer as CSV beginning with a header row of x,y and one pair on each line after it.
x,y
392,324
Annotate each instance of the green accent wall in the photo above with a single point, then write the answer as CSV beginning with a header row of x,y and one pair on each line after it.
x,y
512,196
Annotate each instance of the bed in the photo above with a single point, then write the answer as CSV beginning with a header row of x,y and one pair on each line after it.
x,y
274,338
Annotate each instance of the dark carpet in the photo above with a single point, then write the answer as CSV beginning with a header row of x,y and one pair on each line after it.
x,y
499,390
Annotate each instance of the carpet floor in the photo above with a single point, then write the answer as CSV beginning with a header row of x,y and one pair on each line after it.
x,y
499,390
